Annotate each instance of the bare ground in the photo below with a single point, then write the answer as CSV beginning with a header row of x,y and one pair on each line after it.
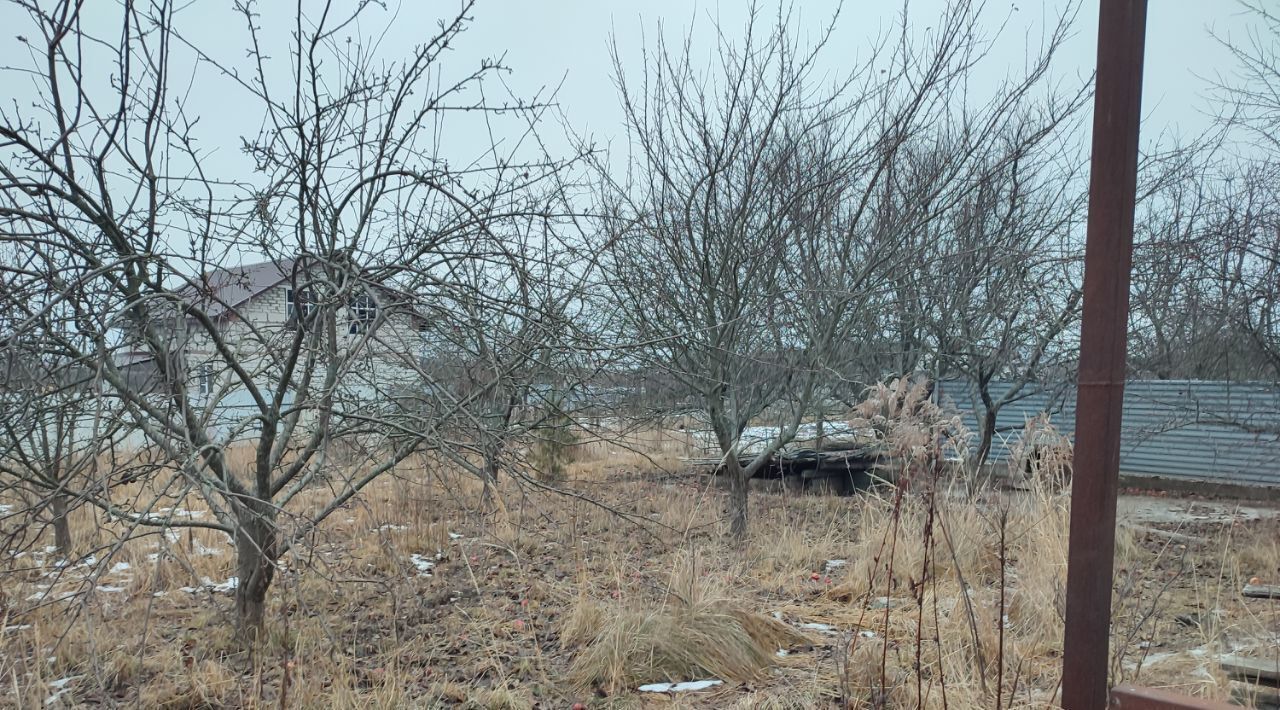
x,y
415,596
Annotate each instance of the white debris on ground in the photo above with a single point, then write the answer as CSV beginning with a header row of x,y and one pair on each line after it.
x,y
44,596
18,627
422,564
198,548
820,628
686,686
59,686
390,527
454,536
179,513
205,583
834,565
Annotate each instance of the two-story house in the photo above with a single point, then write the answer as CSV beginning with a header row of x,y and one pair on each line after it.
x,y
326,332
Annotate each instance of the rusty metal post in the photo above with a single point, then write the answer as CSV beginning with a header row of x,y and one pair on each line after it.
x,y
1103,340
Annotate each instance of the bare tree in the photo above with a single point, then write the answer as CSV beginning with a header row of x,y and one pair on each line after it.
x,y
762,208
108,203
1004,288
55,428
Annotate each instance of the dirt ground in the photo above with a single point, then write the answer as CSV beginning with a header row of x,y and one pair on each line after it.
x,y
417,595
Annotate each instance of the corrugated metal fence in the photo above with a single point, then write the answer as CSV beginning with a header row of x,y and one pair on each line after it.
x,y
1217,432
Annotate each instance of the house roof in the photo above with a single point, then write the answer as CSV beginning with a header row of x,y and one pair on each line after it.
x,y
225,289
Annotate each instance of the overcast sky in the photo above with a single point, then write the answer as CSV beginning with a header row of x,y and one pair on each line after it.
x,y
565,42
568,38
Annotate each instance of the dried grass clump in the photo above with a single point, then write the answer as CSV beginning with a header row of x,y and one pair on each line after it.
x,y
1041,454
697,634
912,430
679,642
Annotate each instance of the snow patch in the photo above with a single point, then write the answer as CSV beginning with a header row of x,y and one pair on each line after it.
x,y
686,686
200,549
205,583
46,597
110,589
59,686
228,586
181,512
822,628
422,564
834,565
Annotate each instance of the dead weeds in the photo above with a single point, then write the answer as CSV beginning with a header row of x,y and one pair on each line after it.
x,y
415,595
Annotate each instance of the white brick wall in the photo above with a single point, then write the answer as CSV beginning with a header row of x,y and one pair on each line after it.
x,y
375,366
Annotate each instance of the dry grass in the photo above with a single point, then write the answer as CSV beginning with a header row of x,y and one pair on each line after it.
x,y
697,631
631,582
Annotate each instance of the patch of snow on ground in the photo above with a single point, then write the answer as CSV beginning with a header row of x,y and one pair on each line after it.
x,y
110,589
390,528
206,583
180,512
46,597
18,627
455,536
60,687
834,564
823,628
422,564
227,586
198,548
119,567
686,686
5,509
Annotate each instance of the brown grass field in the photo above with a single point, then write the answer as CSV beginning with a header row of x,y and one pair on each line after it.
x,y
576,598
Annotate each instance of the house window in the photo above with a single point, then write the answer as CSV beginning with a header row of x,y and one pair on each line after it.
x,y
299,305
364,311
204,380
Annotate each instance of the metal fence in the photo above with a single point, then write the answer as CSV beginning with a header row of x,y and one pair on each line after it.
x,y
1186,430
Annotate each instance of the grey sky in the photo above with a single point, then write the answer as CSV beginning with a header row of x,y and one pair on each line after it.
x,y
550,42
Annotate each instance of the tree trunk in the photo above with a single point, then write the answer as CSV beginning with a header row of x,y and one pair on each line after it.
x,y
987,433
61,525
737,498
256,551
